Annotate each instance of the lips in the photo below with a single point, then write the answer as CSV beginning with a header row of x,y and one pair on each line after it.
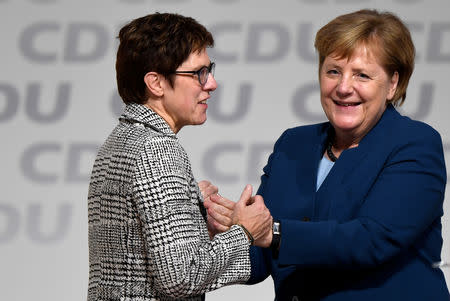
x,y
346,104
204,100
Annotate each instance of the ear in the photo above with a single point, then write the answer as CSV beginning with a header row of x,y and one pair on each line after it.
x,y
153,82
393,85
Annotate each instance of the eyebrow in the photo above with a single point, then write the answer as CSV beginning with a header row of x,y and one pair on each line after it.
x,y
201,66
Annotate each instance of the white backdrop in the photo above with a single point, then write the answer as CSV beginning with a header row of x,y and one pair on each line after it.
x,y
57,80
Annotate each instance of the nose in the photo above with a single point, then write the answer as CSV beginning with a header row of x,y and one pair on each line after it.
x,y
345,85
211,83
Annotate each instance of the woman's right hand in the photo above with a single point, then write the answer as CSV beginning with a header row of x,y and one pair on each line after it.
x,y
250,212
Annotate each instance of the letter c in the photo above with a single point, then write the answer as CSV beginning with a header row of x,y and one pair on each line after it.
x,y
210,162
27,42
29,158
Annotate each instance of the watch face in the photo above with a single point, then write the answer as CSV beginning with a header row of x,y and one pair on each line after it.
x,y
276,228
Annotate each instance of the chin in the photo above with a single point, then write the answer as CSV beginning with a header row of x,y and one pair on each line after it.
x,y
346,127
199,122
347,123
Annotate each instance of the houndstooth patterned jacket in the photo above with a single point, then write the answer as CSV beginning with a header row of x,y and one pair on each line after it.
x,y
148,238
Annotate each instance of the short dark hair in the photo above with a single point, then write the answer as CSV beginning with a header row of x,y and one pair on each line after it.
x,y
383,33
158,42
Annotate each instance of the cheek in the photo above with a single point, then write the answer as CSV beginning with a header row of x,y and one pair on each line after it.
x,y
326,87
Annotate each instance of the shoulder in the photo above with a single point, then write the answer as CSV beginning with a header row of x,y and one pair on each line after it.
x,y
403,140
303,136
164,155
306,131
407,130
146,147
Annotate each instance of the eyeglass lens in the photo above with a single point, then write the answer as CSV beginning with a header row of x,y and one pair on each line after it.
x,y
204,73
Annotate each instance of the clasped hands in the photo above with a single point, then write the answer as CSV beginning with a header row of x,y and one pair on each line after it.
x,y
250,212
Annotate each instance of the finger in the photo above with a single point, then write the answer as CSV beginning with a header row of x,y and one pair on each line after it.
x,y
218,226
207,203
203,184
215,198
222,201
259,200
214,227
220,213
259,197
209,190
219,209
246,194
221,219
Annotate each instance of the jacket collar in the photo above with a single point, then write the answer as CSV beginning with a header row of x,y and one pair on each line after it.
x,y
137,113
377,133
351,158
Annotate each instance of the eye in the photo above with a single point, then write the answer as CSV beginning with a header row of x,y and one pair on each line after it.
x,y
363,76
332,72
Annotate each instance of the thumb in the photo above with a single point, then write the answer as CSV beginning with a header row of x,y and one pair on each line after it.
x,y
258,199
246,194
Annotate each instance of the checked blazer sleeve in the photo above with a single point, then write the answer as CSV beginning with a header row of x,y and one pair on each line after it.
x,y
185,261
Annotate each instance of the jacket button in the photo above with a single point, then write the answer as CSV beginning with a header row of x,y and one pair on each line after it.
x,y
306,219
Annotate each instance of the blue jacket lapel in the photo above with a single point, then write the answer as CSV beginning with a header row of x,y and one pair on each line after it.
x,y
347,170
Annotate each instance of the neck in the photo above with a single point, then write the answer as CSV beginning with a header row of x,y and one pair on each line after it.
x,y
338,143
164,115
341,144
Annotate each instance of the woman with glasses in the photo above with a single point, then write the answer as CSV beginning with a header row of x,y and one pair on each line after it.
x,y
148,235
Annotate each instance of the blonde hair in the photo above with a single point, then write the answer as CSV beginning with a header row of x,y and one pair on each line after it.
x,y
384,34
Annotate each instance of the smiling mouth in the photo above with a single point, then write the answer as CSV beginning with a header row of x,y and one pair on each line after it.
x,y
346,104
203,101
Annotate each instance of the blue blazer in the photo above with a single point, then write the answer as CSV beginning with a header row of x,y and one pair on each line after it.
x,y
373,229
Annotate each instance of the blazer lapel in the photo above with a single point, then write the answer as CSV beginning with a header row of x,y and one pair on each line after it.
x,y
337,187
307,166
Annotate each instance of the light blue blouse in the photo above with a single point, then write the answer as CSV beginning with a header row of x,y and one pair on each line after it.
x,y
325,166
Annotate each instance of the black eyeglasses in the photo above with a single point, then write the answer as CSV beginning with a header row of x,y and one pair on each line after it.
x,y
202,73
